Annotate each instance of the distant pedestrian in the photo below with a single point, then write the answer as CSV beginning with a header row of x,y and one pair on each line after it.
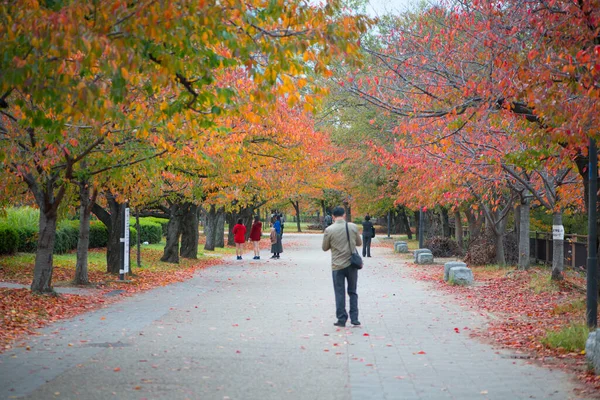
x,y
277,247
273,238
340,237
255,234
367,235
239,237
327,220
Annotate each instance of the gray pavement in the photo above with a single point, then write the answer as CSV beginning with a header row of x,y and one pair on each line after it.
x,y
263,330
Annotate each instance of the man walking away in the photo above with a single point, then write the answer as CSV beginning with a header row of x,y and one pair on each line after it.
x,y
367,235
336,240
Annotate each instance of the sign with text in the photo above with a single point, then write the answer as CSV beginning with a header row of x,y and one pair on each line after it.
x,y
558,232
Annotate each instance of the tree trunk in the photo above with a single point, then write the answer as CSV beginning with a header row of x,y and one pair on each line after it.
x,y
210,223
458,230
558,250
171,252
405,222
517,213
189,231
474,222
296,205
220,228
445,222
418,224
113,221
83,241
231,218
42,275
139,239
524,223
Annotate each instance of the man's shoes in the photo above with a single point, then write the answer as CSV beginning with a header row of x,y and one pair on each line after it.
x,y
239,257
369,256
339,323
273,257
355,323
258,257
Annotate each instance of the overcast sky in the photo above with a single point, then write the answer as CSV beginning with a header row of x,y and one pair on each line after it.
x,y
379,7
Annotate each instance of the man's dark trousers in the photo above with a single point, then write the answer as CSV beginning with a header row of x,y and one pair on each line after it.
x,y
366,246
339,285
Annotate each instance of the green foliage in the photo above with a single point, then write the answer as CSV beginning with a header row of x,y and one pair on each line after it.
x,y
163,222
98,235
9,239
67,235
571,338
150,232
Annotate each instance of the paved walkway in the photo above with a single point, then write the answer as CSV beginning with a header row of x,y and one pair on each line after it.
x,y
263,330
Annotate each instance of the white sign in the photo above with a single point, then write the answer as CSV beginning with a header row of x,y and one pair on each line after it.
x,y
558,232
125,241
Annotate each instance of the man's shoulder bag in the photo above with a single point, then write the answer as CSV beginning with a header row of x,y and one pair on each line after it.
x,y
355,259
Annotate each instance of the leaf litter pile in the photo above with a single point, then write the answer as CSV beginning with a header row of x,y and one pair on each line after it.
x,y
526,306
22,312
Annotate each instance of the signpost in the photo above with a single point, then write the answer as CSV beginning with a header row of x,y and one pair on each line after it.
x,y
125,246
592,261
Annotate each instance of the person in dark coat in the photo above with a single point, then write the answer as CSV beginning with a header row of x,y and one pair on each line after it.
x,y
239,237
255,234
367,235
277,247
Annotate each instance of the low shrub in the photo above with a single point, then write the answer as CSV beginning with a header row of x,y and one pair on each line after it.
x,y
28,238
9,239
150,232
571,338
163,222
67,236
443,247
98,235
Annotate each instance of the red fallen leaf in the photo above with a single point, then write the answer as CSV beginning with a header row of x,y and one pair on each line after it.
x,y
235,325
238,352
456,330
421,352
368,365
117,369
366,334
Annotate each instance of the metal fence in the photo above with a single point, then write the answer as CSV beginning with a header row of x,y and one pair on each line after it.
x,y
575,249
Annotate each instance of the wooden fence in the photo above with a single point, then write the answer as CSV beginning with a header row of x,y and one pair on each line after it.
x,y
575,249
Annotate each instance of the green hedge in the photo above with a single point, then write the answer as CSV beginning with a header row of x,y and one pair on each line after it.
x,y
98,235
9,240
150,232
161,221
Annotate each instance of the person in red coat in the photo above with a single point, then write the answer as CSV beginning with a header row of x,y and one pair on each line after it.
x,y
255,234
239,237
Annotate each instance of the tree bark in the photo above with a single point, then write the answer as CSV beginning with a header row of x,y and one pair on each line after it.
x,y
113,221
42,275
445,222
139,239
231,219
189,231
405,222
220,228
296,205
171,252
459,230
83,240
558,250
524,223
474,222
210,228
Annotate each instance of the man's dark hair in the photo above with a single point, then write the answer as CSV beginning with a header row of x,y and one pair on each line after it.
x,y
338,211
256,219
239,221
367,218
